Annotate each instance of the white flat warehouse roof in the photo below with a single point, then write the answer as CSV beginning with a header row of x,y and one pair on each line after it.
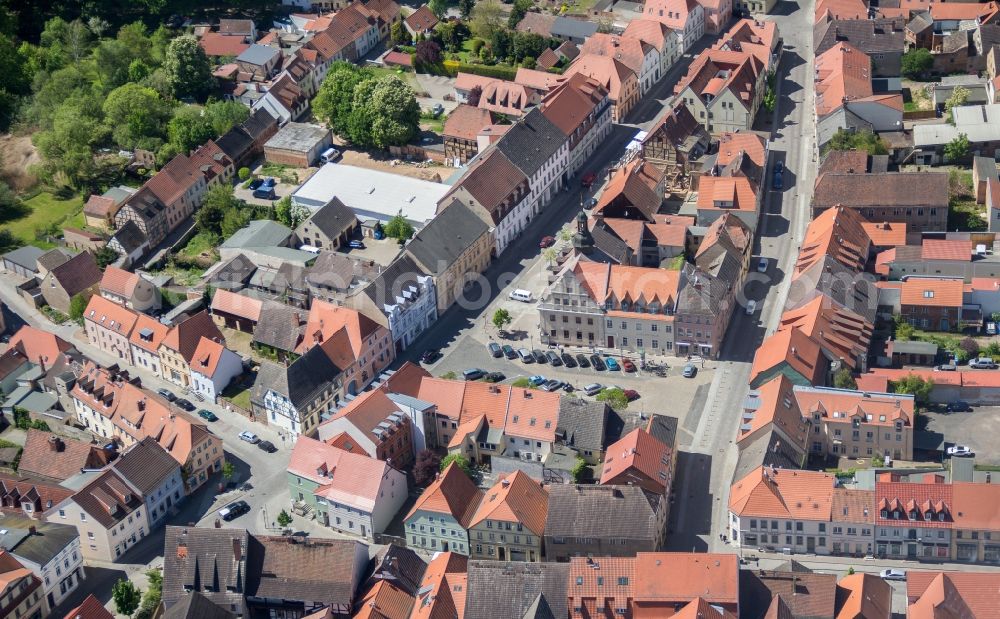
x,y
371,193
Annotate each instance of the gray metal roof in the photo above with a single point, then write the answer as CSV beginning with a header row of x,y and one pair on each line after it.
x,y
49,539
26,256
259,233
603,512
258,54
531,142
572,28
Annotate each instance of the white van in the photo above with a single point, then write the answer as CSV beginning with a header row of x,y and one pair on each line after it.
x,y
521,295
309,248
329,155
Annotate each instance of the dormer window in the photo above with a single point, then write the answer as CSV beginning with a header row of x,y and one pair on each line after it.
x,y
929,515
913,514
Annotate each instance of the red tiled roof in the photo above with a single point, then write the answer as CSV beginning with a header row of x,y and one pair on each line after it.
x,y
119,282
946,249
932,495
640,459
48,455
422,19
384,601
91,608
867,595
206,357
783,493
937,595
237,305
185,336
668,577
216,44
37,346
793,347
838,233
98,206
515,498
466,122
148,333
885,234
110,315
928,292
452,493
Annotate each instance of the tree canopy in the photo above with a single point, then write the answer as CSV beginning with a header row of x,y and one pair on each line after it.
x,y
188,69
369,110
916,62
857,140
957,149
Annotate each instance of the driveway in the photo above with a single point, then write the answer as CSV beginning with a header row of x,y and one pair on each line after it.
x,y
974,429
437,88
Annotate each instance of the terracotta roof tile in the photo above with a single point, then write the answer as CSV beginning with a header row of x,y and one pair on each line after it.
x,y
384,600
843,73
185,336
148,333
569,105
775,406
98,206
977,506
608,581
466,122
682,576
853,505
840,331
885,234
637,184
839,233
926,292
54,457
605,282
932,495
206,357
452,493
443,588
726,193
110,315
946,249
236,304
357,482
119,282
610,73
216,44
515,498
639,459
794,347
772,493
91,608
421,20
932,595
38,346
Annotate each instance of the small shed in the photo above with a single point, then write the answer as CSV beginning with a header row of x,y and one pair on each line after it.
x,y
298,144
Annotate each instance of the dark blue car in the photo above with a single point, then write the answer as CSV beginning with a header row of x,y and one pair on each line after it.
x,y
777,184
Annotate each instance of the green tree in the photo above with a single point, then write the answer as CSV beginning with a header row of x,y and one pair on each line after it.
x,y
959,96
233,221
957,149
126,596
105,256
16,80
335,99
228,470
579,470
426,467
224,115
284,519
138,71
916,63
399,34
902,330
136,38
461,461
244,173
394,112
112,59
857,140
8,241
614,397
283,211
487,17
465,7
501,318
188,68
151,600
451,35
517,13
77,305
528,44
399,228
844,379
135,114
189,128
67,147
438,7
11,206
916,386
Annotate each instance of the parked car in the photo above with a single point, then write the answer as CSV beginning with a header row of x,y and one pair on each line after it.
x,y
946,367
494,377
777,183
991,328
983,363
762,265
537,379
264,192
473,373
249,437
568,360
547,241
588,180
553,358
631,394
751,307
207,415
508,351
689,371
593,388
525,355
539,356
495,351
255,184
430,355
568,388
893,574
552,385
234,510
165,393
267,446
958,407
595,360
627,365
269,181
356,244
184,405
582,360
611,364
960,451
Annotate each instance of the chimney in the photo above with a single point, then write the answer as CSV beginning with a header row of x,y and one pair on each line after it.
x,y
32,530
505,483
56,444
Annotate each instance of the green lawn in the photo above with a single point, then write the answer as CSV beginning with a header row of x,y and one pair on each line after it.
x,y
46,210
201,243
406,76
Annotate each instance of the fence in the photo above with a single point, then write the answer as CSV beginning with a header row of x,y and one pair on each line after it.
x,y
227,404
919,115
417,153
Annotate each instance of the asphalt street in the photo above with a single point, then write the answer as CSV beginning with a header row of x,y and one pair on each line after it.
x,y
706,465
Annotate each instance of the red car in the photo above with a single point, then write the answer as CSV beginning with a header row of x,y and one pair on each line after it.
x,y
547,241
631,394
627,365
588,179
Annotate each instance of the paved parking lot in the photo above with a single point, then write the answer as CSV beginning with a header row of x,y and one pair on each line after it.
x,y
975,429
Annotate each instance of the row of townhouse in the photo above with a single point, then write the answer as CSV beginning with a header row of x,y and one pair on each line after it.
x,y
115,507
663,312
911,518
330,360
112,406
190,354
725,86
